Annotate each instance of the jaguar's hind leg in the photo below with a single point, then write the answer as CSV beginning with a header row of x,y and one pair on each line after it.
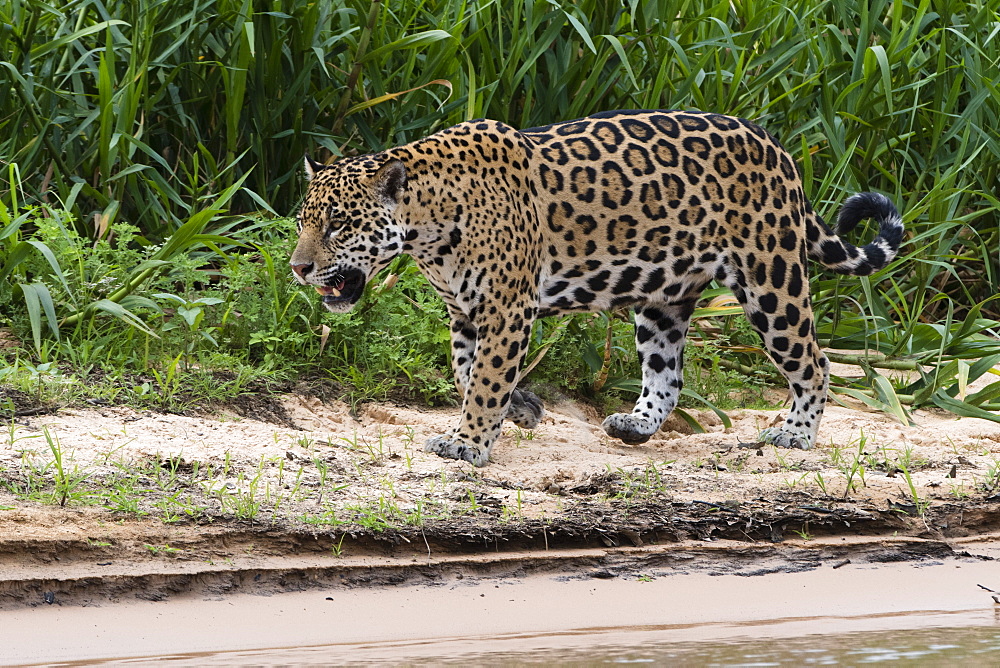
x,y
526,409
781,312
660,335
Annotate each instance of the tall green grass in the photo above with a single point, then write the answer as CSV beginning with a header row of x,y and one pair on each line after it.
x,y
153,112
142,109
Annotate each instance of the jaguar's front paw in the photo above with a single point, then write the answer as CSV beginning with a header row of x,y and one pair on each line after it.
x,y
786,439
451,448
628,428
526,409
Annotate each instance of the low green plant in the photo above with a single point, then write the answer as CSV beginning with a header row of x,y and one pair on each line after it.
x,y
67,481
337,549
821,483
192,313
165,549
852,466
803,533
991,481
55,478
920,504
959,491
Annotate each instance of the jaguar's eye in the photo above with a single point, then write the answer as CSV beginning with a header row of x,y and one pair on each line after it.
x,y
335,221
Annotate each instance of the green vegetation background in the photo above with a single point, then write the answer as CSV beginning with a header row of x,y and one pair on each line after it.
x,y
151,150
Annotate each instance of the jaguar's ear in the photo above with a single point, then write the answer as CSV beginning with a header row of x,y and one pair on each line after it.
x,y
312,167
390,180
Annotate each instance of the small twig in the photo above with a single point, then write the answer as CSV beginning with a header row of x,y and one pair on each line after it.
x,y
602,376
736,366
996,594
876,360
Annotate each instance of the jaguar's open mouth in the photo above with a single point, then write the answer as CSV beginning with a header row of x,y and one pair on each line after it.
x,y
342,289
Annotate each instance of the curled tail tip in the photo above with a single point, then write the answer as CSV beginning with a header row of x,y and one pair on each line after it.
x,y
877,206
845,258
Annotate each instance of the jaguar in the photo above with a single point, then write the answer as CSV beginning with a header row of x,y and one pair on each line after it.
x,y
638,209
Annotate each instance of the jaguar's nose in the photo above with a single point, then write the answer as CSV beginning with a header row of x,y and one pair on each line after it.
x,y
302,269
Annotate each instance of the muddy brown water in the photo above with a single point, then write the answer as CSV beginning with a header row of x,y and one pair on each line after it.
x,y
585,608
968,646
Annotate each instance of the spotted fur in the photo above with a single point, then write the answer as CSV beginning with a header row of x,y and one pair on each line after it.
x,y
625,208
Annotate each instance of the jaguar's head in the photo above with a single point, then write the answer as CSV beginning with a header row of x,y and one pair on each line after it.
x,y
346,227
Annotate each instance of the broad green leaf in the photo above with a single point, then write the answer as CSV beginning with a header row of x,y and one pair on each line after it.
x,y
988,394
888,396
963,378
726,422
962,408
691,421
36,301
581,31
862,397
414,41
47,47
617,46
117,310
191,315
592,357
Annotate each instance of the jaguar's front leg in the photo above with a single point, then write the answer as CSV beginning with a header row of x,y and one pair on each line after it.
x,y
463,347
525,410
493,369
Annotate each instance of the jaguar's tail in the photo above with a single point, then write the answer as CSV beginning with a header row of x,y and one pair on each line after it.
x,y
845,258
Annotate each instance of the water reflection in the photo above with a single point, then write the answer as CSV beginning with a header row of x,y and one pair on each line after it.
x,y
966,646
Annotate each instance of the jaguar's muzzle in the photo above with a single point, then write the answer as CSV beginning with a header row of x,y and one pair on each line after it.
x,y
342,289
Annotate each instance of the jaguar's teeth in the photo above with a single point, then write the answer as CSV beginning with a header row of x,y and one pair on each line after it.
x,y
335,292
